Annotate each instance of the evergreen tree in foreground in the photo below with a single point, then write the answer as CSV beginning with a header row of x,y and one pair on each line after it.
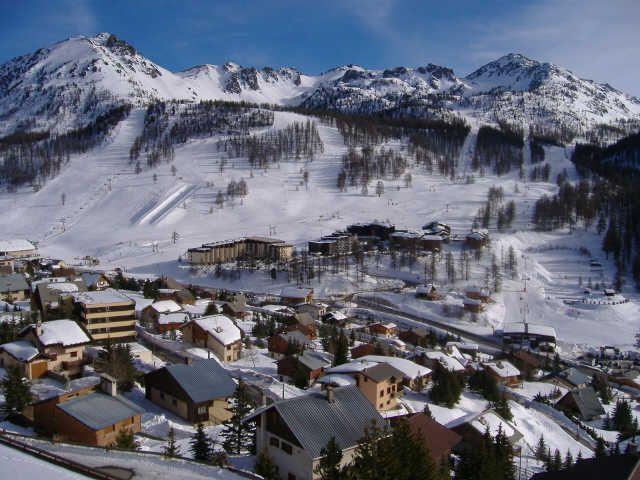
x,y
329,465
238,436
16,390
201,446
171,449
125,440
265,467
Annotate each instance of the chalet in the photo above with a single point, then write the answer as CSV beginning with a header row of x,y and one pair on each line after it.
x,y
306,324
335,244
504,372
336,317
412,373
296,295
54,347
381,384
472,427
573,378
431,358
94,280
170,322
362,350
388,329
218,333
534,335
313,364
17,248
199,308
405,240
151,313
293,432
477,238
581,402
437,439
6,265
287,343
478,293
415,336
428,292
108,316
198,392
237,308
13,287
89,416
55,295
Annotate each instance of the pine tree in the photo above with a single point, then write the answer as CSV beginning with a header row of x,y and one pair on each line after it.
x,y
117,361
541,449
328,467
568,460
502,408
301,377
342,350
171,449
16,390
201,445
238,436
126,440
601,449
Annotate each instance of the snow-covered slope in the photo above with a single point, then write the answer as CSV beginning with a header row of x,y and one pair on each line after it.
x,y
70,83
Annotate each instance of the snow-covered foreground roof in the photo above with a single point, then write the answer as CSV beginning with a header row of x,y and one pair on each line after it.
x,y
17,464
166,306
169,318
450,363
64,332
220,327
22,350
408,368
503,369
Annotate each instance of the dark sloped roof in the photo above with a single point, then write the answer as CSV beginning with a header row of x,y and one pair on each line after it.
x,y
436,437
382,371
612,467
314,360
575,377
203,380
14,282
314,420
98,410
587,401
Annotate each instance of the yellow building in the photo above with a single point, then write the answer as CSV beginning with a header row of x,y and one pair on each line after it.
x,y
107,315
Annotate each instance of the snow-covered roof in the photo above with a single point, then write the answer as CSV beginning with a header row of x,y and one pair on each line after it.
x,y
450,363
21,350
220,327
101,297
166,306
503,368
16,245
169,318
531,328
276,308
338,316
337,380
432,238
409,369
66,287
65,332
295,292
494,422
471,301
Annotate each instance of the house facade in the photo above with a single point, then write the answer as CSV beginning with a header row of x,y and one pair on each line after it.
x,y
198,392
107,315
217,333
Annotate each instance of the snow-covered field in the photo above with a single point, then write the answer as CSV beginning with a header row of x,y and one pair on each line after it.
x,y
127,220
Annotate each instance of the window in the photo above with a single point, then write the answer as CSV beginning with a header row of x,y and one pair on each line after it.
x,y
388,389
380,407
274,442
202,410
381,393
286,448
73,354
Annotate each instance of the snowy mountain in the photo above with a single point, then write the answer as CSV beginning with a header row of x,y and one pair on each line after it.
x,y
70,83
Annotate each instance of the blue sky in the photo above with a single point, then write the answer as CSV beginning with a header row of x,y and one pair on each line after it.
x,y
596,39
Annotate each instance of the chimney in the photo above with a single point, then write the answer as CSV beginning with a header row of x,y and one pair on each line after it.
x,y
263,399
108,385
330,394
38,328
188,360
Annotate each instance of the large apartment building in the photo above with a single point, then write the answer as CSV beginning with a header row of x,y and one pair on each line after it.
x,y
107,315
246,248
